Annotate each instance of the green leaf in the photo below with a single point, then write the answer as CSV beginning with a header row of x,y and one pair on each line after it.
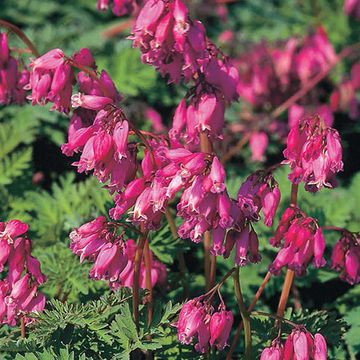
x,y
14,165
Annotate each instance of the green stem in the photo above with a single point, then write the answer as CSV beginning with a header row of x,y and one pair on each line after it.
x,y
244,315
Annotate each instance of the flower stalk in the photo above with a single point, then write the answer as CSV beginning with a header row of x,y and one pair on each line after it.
x,y
244,314
250,308
180,255
209,261
22,327
289,277
136,285
148,267
21,35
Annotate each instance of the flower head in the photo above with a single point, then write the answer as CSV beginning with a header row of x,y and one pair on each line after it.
x,y
345,257
314,153
303,242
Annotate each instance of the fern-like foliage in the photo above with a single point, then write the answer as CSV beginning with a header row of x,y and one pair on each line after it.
x,y
101,329
67,278
68,205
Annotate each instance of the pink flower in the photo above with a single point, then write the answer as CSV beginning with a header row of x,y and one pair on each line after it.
x,y
274,352
85,58
260,191
92,102
192,323
89,238
258,144
18,289
295,114
119,7
345,258
51,80
300,344
314,154
165,28
220,326
158,269
303,241
12,77
49,61
155,119
197,320
109,263
12,229
352,7
247,246
270,203
113,257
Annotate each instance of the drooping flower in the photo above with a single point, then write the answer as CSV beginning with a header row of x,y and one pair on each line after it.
x,y
345,257
13,77
20,273
258,144
198,320
220,326
301,344
51,80
260,191
303,242
163,28
113,257
158,269
118,7
19,299
314,153
273,352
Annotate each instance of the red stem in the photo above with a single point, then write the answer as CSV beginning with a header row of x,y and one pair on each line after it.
x,y
206,147
22,327
289,277
136,278
314,81
17,31
147,258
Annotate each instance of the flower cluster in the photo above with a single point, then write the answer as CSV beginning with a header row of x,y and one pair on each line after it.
x,y
204,204
314,154
268,74
19,288
179,49
119,7
343,98
345,257
113,258
100,131
197,319
202,114
303,241
177,46
12,77
260,191
300,344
